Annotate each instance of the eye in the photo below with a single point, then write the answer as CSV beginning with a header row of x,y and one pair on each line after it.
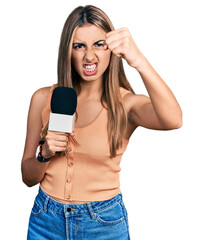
x,y
99,45
78,46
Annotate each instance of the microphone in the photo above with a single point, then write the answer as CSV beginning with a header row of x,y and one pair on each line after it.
x,y
63,107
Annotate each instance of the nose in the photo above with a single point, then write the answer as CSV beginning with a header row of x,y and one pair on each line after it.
x,y
90,55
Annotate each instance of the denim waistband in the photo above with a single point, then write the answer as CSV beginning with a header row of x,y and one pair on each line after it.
x,y
74,209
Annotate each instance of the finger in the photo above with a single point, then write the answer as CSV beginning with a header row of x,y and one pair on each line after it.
x,y
57,137
123,29
72,134
115,44
62,138
119,51
116,41
59,149
110,37
57,133
105,46
60,144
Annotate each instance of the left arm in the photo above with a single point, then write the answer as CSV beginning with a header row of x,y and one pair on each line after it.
x,y
158,111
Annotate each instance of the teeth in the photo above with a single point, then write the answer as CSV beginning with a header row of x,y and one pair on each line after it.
x,y
90,67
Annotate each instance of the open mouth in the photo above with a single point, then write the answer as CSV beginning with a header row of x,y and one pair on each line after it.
x,y
90,67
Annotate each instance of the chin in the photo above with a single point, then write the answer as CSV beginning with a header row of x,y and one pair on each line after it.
x,y
90,78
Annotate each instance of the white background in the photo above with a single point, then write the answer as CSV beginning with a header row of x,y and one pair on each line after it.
x,y
161,176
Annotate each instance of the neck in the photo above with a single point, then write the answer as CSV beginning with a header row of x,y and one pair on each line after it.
x,y
91,89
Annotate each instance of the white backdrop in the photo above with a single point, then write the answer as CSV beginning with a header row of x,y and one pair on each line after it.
x,y
161,176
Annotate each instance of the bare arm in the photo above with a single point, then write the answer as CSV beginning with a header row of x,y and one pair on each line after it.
x,y
32,170
158,111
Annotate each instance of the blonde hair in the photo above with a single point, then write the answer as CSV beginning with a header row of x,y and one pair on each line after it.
x,y
113,78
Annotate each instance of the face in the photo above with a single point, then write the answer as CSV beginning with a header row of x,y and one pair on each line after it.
x,y
90,58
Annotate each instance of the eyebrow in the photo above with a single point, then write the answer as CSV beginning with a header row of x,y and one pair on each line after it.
x,y
99,41
83,43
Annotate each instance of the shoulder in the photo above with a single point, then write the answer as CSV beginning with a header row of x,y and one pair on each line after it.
x,y
124,91
131,100
127,97
41,94
39,97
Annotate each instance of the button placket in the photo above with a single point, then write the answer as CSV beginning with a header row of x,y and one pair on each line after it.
x,y
69,172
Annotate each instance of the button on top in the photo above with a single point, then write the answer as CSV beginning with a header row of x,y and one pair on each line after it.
x,y
68,180
70,155
69,209
70,164
69,149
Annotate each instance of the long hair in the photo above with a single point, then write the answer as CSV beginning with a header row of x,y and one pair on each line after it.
x,y
113,78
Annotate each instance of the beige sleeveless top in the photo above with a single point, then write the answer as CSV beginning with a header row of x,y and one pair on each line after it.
x,y
86,173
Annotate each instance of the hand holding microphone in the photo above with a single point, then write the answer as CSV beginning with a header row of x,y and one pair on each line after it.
x,y
61,120
55,142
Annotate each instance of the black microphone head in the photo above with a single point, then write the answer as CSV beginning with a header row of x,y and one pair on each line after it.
x,y
64,100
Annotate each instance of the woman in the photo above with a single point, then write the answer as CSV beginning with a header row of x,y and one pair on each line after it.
x,y
79,195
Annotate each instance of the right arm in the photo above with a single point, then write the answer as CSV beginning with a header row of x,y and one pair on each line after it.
x,y
32,170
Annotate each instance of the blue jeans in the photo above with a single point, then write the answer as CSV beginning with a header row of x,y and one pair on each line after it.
x,y
99,220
